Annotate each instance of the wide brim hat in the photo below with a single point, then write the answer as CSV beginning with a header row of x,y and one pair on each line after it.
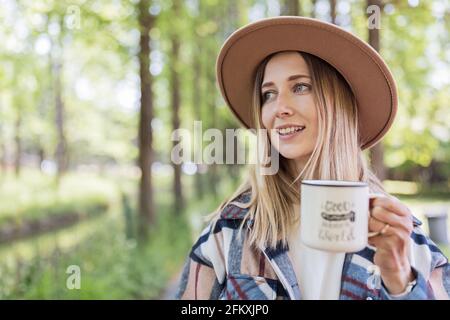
x,y
361,66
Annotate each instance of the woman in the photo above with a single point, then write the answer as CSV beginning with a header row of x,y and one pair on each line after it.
x,y
318,120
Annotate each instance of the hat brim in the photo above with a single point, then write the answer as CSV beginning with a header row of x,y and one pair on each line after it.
x,y
365,71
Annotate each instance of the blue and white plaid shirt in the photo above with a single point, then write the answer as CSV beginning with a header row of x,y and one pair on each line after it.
x,y
222,265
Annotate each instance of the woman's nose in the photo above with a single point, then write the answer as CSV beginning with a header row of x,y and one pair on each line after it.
x,y
284,107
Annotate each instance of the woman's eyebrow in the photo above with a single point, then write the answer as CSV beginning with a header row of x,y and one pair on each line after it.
x,y
293,77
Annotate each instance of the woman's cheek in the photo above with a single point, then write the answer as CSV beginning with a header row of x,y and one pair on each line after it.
x,y
266,117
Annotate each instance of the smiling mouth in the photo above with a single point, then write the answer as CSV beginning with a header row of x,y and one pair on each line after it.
x,y
289,131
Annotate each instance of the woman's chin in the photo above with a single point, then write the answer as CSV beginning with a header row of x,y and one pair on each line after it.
x,y
288,154
300,157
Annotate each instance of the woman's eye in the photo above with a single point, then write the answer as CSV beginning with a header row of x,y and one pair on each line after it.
x,y
298,87
265,95
302,87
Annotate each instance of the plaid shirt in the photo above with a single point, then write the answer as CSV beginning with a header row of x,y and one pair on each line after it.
x,y
222,265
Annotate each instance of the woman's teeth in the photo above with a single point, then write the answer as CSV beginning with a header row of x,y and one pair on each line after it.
x,y
286,131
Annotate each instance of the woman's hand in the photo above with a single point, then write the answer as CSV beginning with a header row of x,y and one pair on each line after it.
x,y
394,219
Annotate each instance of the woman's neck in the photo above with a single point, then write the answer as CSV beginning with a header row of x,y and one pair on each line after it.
x,y
300,164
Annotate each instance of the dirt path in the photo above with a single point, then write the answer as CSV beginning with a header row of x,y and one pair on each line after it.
x,y
172,287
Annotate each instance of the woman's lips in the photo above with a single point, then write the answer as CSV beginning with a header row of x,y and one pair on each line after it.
x,y
289,136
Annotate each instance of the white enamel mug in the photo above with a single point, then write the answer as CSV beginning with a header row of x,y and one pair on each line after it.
x,y
335,215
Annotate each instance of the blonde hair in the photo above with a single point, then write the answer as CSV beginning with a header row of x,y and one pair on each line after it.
x,y
336,156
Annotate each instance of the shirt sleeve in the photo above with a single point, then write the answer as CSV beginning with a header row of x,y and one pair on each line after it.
x,y
420,291
199,279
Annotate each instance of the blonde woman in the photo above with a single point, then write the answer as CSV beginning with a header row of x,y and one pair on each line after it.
x,y
324,96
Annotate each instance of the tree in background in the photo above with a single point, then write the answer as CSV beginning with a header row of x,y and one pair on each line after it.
x,y
61,147
333,11
290,8
175,68
198,93
377,151
146,206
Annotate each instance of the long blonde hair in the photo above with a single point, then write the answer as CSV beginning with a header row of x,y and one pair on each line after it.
x,y
336,156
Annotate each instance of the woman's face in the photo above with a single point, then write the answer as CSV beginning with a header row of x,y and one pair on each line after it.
x,y
288,108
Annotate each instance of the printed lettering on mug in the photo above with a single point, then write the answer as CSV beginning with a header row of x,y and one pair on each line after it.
x,y
334,215
338,221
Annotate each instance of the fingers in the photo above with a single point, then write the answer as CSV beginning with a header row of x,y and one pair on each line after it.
x,y
375,225
389,210
391,204
395,219
396,235
382,216
394,240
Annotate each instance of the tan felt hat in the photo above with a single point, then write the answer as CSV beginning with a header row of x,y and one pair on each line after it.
x,y
365,71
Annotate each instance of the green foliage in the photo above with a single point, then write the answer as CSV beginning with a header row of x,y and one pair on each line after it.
x,y
411,43
112,266
101,78
34,195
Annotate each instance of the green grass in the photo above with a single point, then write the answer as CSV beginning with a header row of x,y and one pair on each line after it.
x,y
34,195
112,266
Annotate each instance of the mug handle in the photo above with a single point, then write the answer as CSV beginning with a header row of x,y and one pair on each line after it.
x,y
373,196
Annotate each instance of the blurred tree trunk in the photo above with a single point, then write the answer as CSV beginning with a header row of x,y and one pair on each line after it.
x,y
146,206
44,105
210,89
2,148
290,8
313,8
56,65
211,106
18,142
41,155
333,11
61,147
175,90
3,157
377,151
235,20
197,107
